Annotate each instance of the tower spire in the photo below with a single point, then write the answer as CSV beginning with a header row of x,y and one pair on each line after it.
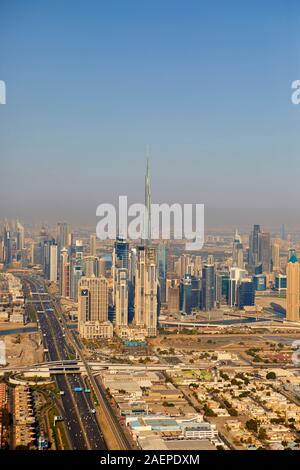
x,y
147,231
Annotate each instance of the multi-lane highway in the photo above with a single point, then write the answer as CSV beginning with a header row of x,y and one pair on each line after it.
x,y
81,423
120,438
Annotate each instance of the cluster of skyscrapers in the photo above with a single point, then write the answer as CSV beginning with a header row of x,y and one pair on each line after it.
x,y
127,294
12,244
195,286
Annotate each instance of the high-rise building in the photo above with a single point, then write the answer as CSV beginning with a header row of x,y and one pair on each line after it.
x,y
275,257
265,251
53,263
64,274
131,282
254,241
208,287
62,240
45,248
20,237
198,266
236,277
63,235
132,264
171,263
146,283
100,267
186,294
93,308
186,265
246,292
77,272
93,244
162,266
121,301
222,287
237,251
37,253
196,292
90,265
173,295
120,259
96,303
121,253
7,240
292,294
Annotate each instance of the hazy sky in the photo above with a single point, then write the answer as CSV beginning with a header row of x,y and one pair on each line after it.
x,y
207,84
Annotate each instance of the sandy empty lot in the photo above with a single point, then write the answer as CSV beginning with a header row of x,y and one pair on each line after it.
x,y
23,349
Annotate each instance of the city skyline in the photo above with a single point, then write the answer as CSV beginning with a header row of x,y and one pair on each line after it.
x,y
149,230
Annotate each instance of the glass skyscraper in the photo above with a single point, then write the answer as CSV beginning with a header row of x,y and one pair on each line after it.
x,y
208,287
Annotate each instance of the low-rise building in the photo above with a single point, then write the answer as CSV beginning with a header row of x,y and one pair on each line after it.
x,y
24,419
